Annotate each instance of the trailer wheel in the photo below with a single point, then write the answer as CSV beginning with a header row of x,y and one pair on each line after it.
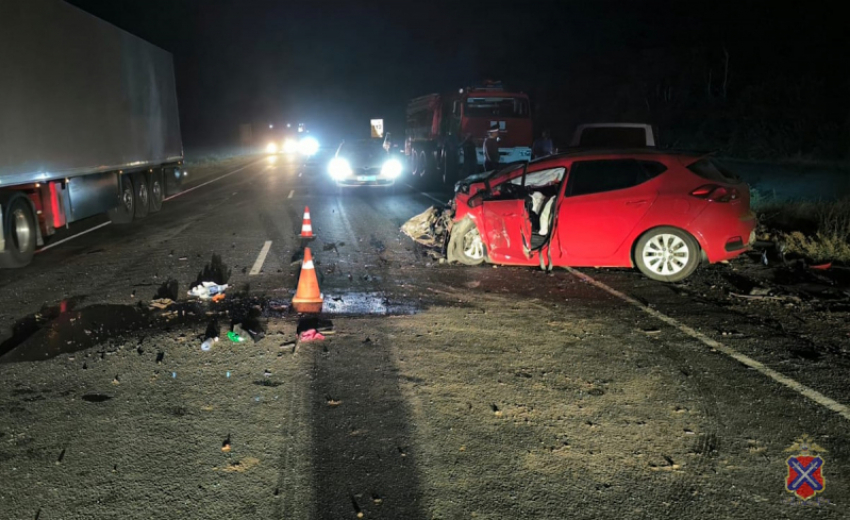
x,y
157,190
18,231
125,210
142,195
450,165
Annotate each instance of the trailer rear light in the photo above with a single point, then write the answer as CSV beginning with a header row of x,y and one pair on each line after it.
x,y
715,193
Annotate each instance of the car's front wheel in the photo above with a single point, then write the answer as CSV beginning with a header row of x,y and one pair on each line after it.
x,y
667,254
466,245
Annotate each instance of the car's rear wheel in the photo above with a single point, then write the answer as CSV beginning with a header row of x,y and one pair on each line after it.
x,y
667,254
466,245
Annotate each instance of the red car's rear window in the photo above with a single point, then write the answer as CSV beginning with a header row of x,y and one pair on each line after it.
x,y
710,170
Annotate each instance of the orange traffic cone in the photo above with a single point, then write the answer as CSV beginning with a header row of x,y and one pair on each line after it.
x,y
307,298
307,227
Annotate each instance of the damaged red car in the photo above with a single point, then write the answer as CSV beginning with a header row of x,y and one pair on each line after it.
x,y
662,212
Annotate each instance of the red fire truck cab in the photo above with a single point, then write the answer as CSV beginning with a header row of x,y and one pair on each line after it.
x,y
445,133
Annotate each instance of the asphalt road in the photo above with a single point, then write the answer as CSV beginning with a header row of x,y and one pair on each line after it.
x,y
445,391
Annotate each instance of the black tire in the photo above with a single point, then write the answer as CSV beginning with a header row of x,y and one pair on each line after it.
x,y
422,164
459,244
450,166
125,210
157,190
411,161
19,232
667,254
142,195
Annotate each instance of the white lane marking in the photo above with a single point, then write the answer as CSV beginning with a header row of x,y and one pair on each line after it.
x,y
184,192
72,237
291,193
426,195
804,390
261,258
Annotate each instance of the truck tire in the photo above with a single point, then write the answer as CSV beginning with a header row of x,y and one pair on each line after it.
x,y
142,195
423,163
19,232
465,244
125,210
157,189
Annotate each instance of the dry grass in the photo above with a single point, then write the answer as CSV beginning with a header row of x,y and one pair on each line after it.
x,y
817,230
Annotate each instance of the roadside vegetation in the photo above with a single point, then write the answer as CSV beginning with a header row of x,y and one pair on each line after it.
x,y
818,231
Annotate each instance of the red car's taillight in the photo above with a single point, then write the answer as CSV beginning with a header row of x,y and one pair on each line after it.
x,y
716,193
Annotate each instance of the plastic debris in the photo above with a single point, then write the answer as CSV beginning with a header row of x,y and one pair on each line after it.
x,y
227,374
234,337
174,375
218,297
208,343
207,290
821,267
311,335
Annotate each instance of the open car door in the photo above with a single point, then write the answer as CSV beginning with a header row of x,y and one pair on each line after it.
x,y
507,231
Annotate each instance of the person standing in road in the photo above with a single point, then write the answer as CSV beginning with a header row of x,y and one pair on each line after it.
x,y
542,146
491,149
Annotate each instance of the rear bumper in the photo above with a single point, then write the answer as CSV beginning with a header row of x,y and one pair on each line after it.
x,y
724,235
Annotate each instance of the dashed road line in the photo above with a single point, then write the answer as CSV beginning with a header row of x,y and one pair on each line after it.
x,y
261,258
72,237
193,188
801,389
291,193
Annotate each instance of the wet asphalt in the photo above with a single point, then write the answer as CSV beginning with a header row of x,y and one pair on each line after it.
x,y
366,267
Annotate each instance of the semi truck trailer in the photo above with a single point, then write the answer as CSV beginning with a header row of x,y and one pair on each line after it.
x,y
88,124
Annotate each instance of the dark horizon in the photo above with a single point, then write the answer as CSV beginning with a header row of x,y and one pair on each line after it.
x,y
335,65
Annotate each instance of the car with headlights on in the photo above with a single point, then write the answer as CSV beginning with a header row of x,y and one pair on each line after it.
x,y
364,162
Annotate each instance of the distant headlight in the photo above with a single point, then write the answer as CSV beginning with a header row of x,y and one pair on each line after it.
x,y
290,146
391,168
339,168
308,146
271,148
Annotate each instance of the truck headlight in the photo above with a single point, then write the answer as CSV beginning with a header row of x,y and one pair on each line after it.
x,y
308,146
271,148
339,168
391,168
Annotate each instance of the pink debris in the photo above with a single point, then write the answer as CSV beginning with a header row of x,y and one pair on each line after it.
x,y
822,267
311,335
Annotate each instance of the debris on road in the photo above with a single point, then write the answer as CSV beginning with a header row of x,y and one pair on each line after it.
x,y
311,335
234,337
208,343
207,290
161,303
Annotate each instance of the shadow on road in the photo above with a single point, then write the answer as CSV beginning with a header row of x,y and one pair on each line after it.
x,y
362,459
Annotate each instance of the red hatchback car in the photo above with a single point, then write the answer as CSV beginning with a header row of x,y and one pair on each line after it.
x,y
662,212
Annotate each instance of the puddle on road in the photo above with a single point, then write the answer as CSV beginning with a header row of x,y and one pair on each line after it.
x,y
61,329
366,303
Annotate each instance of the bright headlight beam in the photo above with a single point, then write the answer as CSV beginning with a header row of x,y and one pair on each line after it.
x,y
271,148
391,168
290,146
339,168
308,146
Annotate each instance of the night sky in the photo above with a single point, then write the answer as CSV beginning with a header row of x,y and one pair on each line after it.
x,y
336,64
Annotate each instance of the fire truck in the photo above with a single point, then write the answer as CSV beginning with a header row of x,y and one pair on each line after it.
x,y
445,133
